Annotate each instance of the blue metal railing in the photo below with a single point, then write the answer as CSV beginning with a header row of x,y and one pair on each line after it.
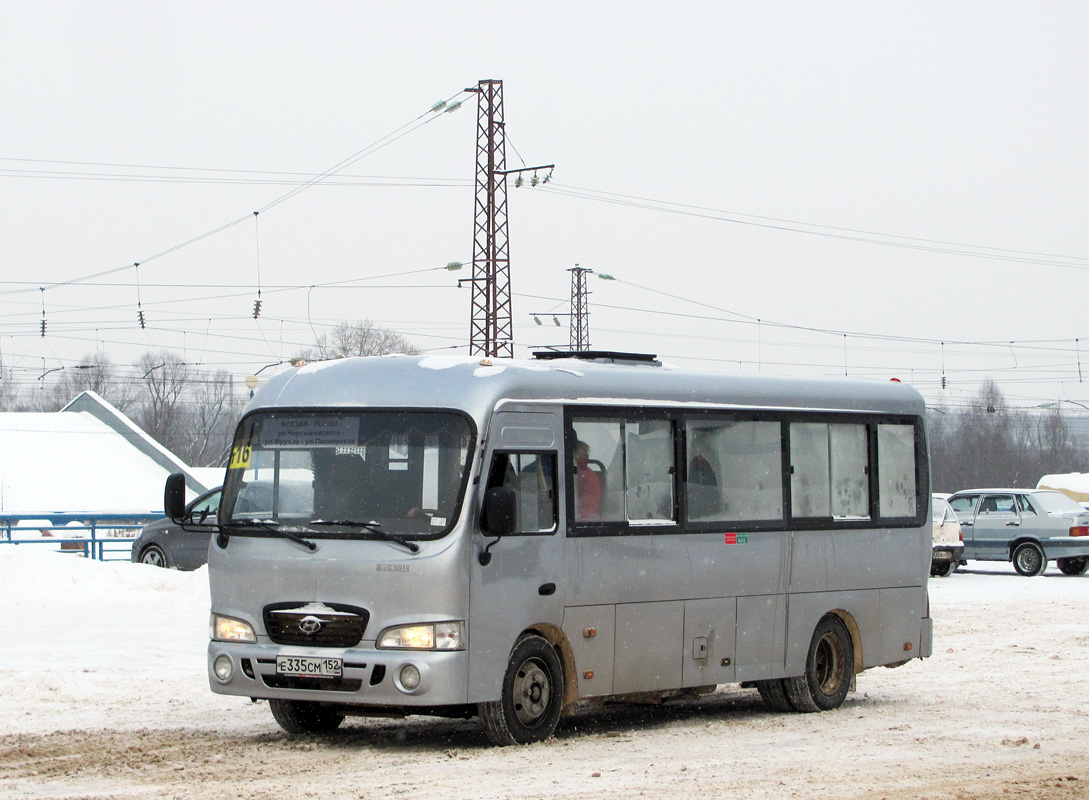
x,y
102,537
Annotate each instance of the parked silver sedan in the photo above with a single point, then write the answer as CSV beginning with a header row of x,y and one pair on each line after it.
x,y
1028,527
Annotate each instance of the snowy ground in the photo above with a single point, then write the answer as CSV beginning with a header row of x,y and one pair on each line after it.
x,y
104,695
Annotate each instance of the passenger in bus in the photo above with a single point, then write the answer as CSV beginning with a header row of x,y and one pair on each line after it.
x,y
703,493
587,485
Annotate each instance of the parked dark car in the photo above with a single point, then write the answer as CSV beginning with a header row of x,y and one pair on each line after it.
x,y
164,543
1025,526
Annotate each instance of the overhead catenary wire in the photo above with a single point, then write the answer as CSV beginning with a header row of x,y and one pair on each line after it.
x,y
1013,348
828,231
403,130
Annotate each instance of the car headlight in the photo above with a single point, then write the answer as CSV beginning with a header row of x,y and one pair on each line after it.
x,y
432,636
228,629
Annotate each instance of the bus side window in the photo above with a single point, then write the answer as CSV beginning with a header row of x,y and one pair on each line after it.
x,y
623,470
532,476
830,476
897,489
735,470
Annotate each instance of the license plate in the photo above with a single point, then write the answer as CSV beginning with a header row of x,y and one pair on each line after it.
x,y
942,555
309,666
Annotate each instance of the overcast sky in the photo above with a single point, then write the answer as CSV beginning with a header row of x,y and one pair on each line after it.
x,y
892,175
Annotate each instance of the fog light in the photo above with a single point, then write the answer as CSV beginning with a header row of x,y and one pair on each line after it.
x,y
223,668
409,677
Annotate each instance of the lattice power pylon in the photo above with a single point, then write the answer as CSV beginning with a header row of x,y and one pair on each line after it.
x,y
492,330
580,309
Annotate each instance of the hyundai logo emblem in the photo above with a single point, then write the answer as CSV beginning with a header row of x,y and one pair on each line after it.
x,y
310,624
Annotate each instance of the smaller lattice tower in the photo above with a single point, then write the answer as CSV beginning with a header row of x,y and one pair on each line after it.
x,y
580,309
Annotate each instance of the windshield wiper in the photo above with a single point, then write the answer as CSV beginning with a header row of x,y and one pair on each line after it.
x,y
273,526
374,528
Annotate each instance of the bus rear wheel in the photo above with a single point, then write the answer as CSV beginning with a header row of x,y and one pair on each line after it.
x,y
829,669
532,697
774,695
302,716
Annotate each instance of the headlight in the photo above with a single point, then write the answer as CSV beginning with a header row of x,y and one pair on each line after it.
x,y
226,629
433,636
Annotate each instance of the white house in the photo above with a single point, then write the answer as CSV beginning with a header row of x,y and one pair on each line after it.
x,y
86,458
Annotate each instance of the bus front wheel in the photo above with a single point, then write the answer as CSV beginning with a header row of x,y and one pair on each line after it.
x,y
532,696
302,716
829,669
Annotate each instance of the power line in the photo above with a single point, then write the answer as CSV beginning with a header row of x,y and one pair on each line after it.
x,y
827,231
423,119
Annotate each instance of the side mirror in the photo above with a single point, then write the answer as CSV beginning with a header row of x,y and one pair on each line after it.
x,y
500,511
174,496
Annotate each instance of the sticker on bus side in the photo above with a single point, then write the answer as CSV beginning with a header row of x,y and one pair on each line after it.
x,y
737,538
240,456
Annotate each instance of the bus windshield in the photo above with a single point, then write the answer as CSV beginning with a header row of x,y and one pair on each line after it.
x,y
342,473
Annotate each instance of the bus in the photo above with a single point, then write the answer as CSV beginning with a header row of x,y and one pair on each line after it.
x,y
515,539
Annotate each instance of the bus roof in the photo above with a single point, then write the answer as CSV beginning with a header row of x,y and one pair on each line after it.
x,y
477,384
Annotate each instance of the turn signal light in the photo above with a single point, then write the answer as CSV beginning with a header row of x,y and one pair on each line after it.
x,y
1080,530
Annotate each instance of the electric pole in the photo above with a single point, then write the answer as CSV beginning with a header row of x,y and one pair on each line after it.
x,y
580,310
491,329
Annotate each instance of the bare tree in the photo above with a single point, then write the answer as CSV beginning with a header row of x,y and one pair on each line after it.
x,y
165,378
365,338
9,394
95,372
991,444
212,412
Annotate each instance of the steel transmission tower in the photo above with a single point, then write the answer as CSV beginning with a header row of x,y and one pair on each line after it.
x,y
580,310
491,330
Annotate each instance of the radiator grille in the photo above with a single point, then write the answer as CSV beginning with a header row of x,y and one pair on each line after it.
x,y
315,624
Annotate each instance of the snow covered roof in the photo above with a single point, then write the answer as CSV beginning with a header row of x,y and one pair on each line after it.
x,y
1074,484
75,461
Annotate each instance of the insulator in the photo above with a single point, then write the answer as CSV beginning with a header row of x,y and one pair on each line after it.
x,y
43,327
943,381
256,308
140,316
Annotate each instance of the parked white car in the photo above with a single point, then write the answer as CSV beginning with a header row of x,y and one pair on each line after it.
x,y
948,552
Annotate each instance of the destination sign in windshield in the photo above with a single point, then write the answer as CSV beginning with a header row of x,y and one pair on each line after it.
x,y
309,430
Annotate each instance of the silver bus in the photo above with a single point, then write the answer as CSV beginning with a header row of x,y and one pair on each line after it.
x,y
508,539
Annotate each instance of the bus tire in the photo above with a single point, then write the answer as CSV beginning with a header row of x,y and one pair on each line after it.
x,y
829,669
1028,559
1072,566
302,716
774,695
532,696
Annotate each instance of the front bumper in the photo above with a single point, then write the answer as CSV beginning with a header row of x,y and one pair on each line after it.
x,y
370,676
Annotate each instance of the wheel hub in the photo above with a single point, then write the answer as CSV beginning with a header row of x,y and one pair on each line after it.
x,y
829,664
531,693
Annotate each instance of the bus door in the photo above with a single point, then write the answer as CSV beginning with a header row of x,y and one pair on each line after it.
x,y
521,585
